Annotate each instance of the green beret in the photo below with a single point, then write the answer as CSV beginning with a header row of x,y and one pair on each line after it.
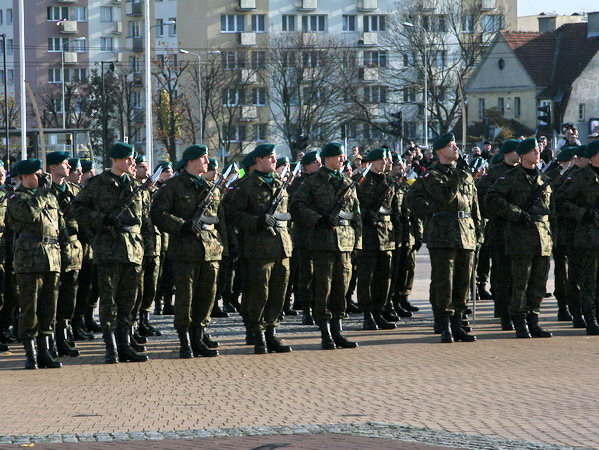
x,y
332,149
1,163
310,157
27,166
527,145
56,157
180,164
592,149
165,165
376,154
511,145
282,161
247,161
443,141
263,150
395,158
87,165
194,152
567,153
212,163
581,150
121,150
140,159
499,156
74,163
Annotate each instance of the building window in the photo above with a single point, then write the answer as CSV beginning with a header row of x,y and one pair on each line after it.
x,y
134,63
55,44
54,13
79,46
1,16
134,28
259,96
233,60
311,59
259,60
517,107
10,46
581,114
233,97
468,23
79,14
261,132
54,76
236,133
375,94
106,14
374,23
425,22
288,22
232,23
314,24
410,129
172,28
259,23
441,58
9,16
11,76
492,23
79,74
349,23
501,105
106,44
409,95
375,59
371,132
159,27
408,59
481,108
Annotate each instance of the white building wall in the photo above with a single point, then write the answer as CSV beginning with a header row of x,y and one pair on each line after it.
x,y
8,29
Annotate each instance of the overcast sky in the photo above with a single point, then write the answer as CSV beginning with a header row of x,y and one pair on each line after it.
x,y
532,7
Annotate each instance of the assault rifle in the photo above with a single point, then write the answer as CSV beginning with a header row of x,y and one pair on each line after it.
x,y
345,195
199,219
278,198
120,216
531,206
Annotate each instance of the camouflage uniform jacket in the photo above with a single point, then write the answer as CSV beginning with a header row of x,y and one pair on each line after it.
x,y
574,197
562,226
411,228
3,231
300,235
445,197
151,234
317,197
37,222
509,195
177,202
250,201
99,198
71,250
377,193
163,236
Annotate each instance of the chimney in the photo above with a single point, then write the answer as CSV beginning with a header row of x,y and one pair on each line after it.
x,y
547,23
593,24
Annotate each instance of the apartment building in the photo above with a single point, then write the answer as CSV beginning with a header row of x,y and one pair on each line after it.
x,y
6,28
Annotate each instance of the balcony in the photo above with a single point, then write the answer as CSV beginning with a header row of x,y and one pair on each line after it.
x,y
118,27
247,76
67,27
70,57
308,4
368,5
120,57
248,113
247,39
67,1
370,39
488,5
369,74
134,9
135,44
246,5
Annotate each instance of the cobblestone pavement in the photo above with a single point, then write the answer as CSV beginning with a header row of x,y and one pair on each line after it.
x,y
404,380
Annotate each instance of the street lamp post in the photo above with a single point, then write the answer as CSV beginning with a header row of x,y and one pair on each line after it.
x,y
64,113
201,112
4,79
425,64
104,113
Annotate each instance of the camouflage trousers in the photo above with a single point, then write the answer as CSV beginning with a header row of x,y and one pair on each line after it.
x,y
146,291
560,273
483,264
305,275
195,286
38,294
265,287
334,271
374,279
403,264
67,295
501,280
589,271
117,284
87,292
451,271
529,277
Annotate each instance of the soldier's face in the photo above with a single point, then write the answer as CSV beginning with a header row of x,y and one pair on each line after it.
x,y
581,161
75,175
334,162
165,175
533,157
124,165
30,181
511,158
266,164
210,175
142,170
378,166
198,165
449,153
313,166
2,174
61,170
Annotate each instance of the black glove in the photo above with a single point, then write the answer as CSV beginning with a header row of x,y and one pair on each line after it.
x,y
591,215
328,221
187,227
525,218
267,221
371,217
108,221
417,245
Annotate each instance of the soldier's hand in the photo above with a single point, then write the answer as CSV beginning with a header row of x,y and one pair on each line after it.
x,y
44,180
328,221
525,218
267,221
187,227
417,245
591,215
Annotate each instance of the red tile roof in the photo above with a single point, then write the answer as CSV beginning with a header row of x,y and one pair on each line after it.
x,y
535,52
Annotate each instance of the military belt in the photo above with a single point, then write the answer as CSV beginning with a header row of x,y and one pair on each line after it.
x,y
36,238
343,222
456,214
384,211
207,227
130,229
538,218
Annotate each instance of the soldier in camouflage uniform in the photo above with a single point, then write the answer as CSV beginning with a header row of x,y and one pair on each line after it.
x,y
578,199
71,255
380,204
333,236
527,236
34,215
446,198
3,249
118,248
194,254
266,248
501,275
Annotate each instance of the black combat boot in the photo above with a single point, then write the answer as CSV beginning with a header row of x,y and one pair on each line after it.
x,y
563,314
337,333
185,351
405,304
90,323
30,354
591,322
4,348
168,308
399,309
125,351
445,327
52,346
273,343
506,323
135,335
369,323
218,313
249,338
260,347
208,341
158,306
535,329
112,354
436,325
197,344
134,343
62,346
80,331
307,318
577,318
521,327
145,327
381,322
44,358
389,314
459,334
352,307
326,340
483,294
